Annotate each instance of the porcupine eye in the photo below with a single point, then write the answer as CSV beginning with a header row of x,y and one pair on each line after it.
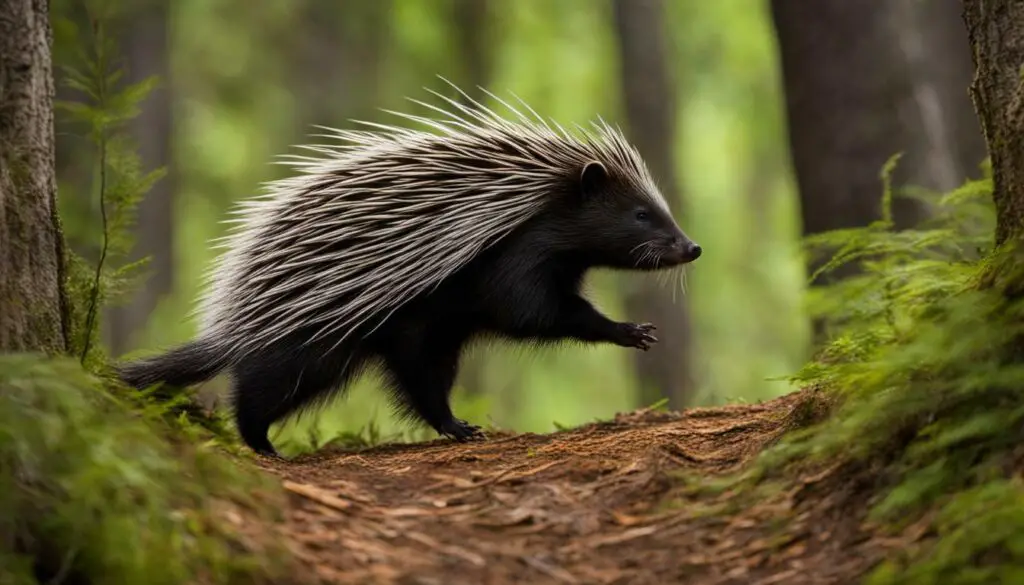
x,y
642,215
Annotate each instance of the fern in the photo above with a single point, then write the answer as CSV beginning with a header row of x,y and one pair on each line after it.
x,y
120,183
924,357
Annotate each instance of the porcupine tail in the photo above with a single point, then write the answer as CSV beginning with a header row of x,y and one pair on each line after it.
x,y
185,365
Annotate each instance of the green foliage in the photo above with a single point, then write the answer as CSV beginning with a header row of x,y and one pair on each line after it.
x,y
119,183
925,358
91,490
104,107
905,328
980,540
99,483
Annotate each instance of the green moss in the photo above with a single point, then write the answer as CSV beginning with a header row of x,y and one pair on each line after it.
x,y
980,540
90,488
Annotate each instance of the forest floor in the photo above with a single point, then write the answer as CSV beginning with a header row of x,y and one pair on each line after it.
x,y
606,503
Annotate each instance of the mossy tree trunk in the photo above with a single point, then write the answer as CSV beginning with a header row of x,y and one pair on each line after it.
x,y
649,100
33,313
996,31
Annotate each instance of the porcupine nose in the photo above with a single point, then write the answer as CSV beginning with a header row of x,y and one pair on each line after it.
x,y
687,249
694,252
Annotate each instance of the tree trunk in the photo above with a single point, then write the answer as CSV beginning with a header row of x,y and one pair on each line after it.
x,y
469,21
650,111
148,53
470,31
943,56
33,310
865,80
339,60
996,32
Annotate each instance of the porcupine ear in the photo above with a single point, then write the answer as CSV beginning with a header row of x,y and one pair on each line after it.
x,y
593,176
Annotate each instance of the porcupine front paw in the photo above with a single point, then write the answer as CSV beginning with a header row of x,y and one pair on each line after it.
x,y
636,335
460,430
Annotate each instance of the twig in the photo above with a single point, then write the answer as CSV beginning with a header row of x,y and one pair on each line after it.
x,y
317,495
90,320
548,569
450,550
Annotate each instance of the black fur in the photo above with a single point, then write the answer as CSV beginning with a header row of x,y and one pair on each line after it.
x,y
525,288
188,364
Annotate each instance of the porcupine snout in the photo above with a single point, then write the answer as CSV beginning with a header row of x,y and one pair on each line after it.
x,y
685,249
678,248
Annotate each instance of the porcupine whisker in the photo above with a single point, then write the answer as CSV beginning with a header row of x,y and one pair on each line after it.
x,y
662,277
638,246
641,256
653,254
682,271
649,253
674,279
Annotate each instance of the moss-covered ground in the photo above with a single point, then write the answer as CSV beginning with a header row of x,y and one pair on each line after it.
x,y
100,489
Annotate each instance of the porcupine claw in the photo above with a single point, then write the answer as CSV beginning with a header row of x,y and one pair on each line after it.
x,y
460,430
636,335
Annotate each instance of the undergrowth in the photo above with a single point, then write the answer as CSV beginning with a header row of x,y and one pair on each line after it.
x,y
925,360
102,107
100,483
93,490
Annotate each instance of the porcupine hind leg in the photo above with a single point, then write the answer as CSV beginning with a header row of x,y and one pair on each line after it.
x,y
422,374
268,388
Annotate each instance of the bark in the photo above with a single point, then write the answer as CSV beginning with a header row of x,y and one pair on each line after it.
x,y
33,310
650,111
147,52
996,32
865,80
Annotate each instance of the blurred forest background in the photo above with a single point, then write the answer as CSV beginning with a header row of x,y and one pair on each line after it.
x,y
762,121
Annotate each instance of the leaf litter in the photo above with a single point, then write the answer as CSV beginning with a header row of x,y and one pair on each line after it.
x,y
581,506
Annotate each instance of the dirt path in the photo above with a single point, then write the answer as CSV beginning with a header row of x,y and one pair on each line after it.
x,y
581,506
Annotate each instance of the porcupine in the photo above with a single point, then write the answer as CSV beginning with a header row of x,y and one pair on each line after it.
x,y
398,247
